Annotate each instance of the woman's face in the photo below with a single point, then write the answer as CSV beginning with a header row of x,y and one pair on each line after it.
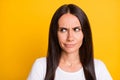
x,y
70,35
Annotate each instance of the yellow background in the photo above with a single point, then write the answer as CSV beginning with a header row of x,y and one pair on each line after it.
x,y
24,26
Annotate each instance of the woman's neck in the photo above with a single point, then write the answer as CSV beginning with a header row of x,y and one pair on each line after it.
x,y
70,62
70,57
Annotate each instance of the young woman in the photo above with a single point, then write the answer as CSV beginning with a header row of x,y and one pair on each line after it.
x,y
70,49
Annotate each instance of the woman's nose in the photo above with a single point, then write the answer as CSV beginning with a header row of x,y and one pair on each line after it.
x,y
70,36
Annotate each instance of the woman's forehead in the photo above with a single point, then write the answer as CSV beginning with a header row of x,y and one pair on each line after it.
x,y
68,20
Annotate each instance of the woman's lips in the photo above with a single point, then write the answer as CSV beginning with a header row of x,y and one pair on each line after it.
x,y
69,45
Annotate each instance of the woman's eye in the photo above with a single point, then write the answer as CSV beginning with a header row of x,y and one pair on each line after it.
x,y
63,30
76,29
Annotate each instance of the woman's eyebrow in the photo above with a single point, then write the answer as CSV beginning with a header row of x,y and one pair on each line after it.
x,y
62,28
67,28
77,27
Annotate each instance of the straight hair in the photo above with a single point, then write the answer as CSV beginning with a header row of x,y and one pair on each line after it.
x,y
85,51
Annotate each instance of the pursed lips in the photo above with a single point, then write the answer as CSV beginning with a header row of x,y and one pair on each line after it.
x,y
69,45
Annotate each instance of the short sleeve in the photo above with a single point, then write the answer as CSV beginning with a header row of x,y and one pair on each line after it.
x,y
101,71
38,70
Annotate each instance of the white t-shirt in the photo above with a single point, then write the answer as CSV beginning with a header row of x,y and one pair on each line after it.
x,y
39,69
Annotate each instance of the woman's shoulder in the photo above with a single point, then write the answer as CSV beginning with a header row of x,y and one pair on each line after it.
x,y
41,59
101,70
99,63
39,63
38,69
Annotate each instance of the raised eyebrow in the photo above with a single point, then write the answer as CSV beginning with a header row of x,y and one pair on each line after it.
x,y
77,27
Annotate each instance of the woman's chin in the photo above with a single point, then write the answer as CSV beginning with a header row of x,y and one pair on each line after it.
x,y
70,51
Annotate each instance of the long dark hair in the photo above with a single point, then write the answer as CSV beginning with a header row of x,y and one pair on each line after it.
x,y
85,51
